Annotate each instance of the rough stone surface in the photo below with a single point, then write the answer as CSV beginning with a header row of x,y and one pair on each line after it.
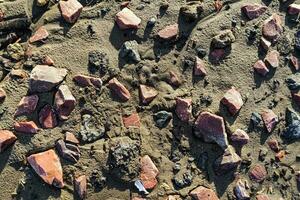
x,y
147,94
7,138
272,28
261,68
227,162
40,34
233,101
47,117
258,173
270,119
64,102
132,121
274,145
272,58
84,81
70,137
203,193
44,78
199,68
253,11
293,81
184,109
26,127
119,89
149,172
162,118
48,167
239,136
27,105
80,186
223,39
127,19
47,60
130,51
169,32
212,128
70,10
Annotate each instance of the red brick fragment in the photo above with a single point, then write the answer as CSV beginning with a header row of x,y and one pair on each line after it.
x,y
149,172
233,101
84,81
40,34
240,136
203,193
272,28
64,102
119,89
70,10
147,94
274,145
26,127
47,60
174,79
47,117
70,137
199,68
295,62
258,173
6,139
48,167
270,119
126,19
183,109
272,58
27,105
80,186
265,43
262,197
253,11
132,121
169,32
280,155
261,68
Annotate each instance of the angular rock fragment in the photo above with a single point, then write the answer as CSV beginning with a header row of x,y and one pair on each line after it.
x,y
149,172
258,173
84,81
184,109
272,58
119,89
27,105
233,101
6,139
70,10
270,119
47,117
129,51
40,34
47,60
265,43
80,186
48,167
199,68
169,32
273,144
26,127
64,102
70,138
227,162
261,68
280,155
173,197
126,19
295,62
223,39
253,11
201,192
174,79
162,118
147,94
240,137
262,197
132,121
212,128
293,81
272,28
240,191
69,152
44,78
294,9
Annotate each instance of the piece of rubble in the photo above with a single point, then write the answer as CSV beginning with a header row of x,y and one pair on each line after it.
x,y
262,197
88,131
254,10
201,193
6,139
80,186
68,151
40,34
130,51
273,144
70,138
265,43
84,81
272,28
47,165
64,102
2,94
47,60
184,109
199,68
126,19
174,79
240,137
44,78
162,118
295,62
261,68
293,81
258,173
233,101
41,2
47,117
169,32
70,10
272,58
147,94
270,119
26,127
294,9
240,190
212,128
227,162
119,89
132,121
223,39
149,172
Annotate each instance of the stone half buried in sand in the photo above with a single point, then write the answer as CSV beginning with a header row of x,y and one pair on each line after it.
x,y
6,139
48,167
26,127
211,128
80,186
27,105
149,172
270,119
64,102
203,193
40,34
70,10
184,109
253,11
272,28
44,78
119,89
169,32
233,101
126,19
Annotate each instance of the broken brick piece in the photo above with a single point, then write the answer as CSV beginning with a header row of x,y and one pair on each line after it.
x,y
203,193
70,137
132,121
47,165
70,10
64,102
119,89
233,101
272,28
80,186
258,173
126,19
280,155
183,109
262,197
272,58
261,68
47,60
27,105
147,94
40,34
294,9
169,32
26,127
47,117
84,81
6,139
239,136
199,68
270,119
149,172
274,145
253,11
174,79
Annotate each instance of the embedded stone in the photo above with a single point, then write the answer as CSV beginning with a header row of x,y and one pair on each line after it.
x,y
240,137
261,68
70,10
201,193
80,186
47,60
149,172
258,173
70,137
270,119
169,32
253,11
240,191
132,121
26,127
233,101
27,105
227,162
265,43
126,19
40,34
47,117
184,109
223,39
64,102
147,94
119,89
294,9
272,28
7,138
199,68
84,81
272,58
